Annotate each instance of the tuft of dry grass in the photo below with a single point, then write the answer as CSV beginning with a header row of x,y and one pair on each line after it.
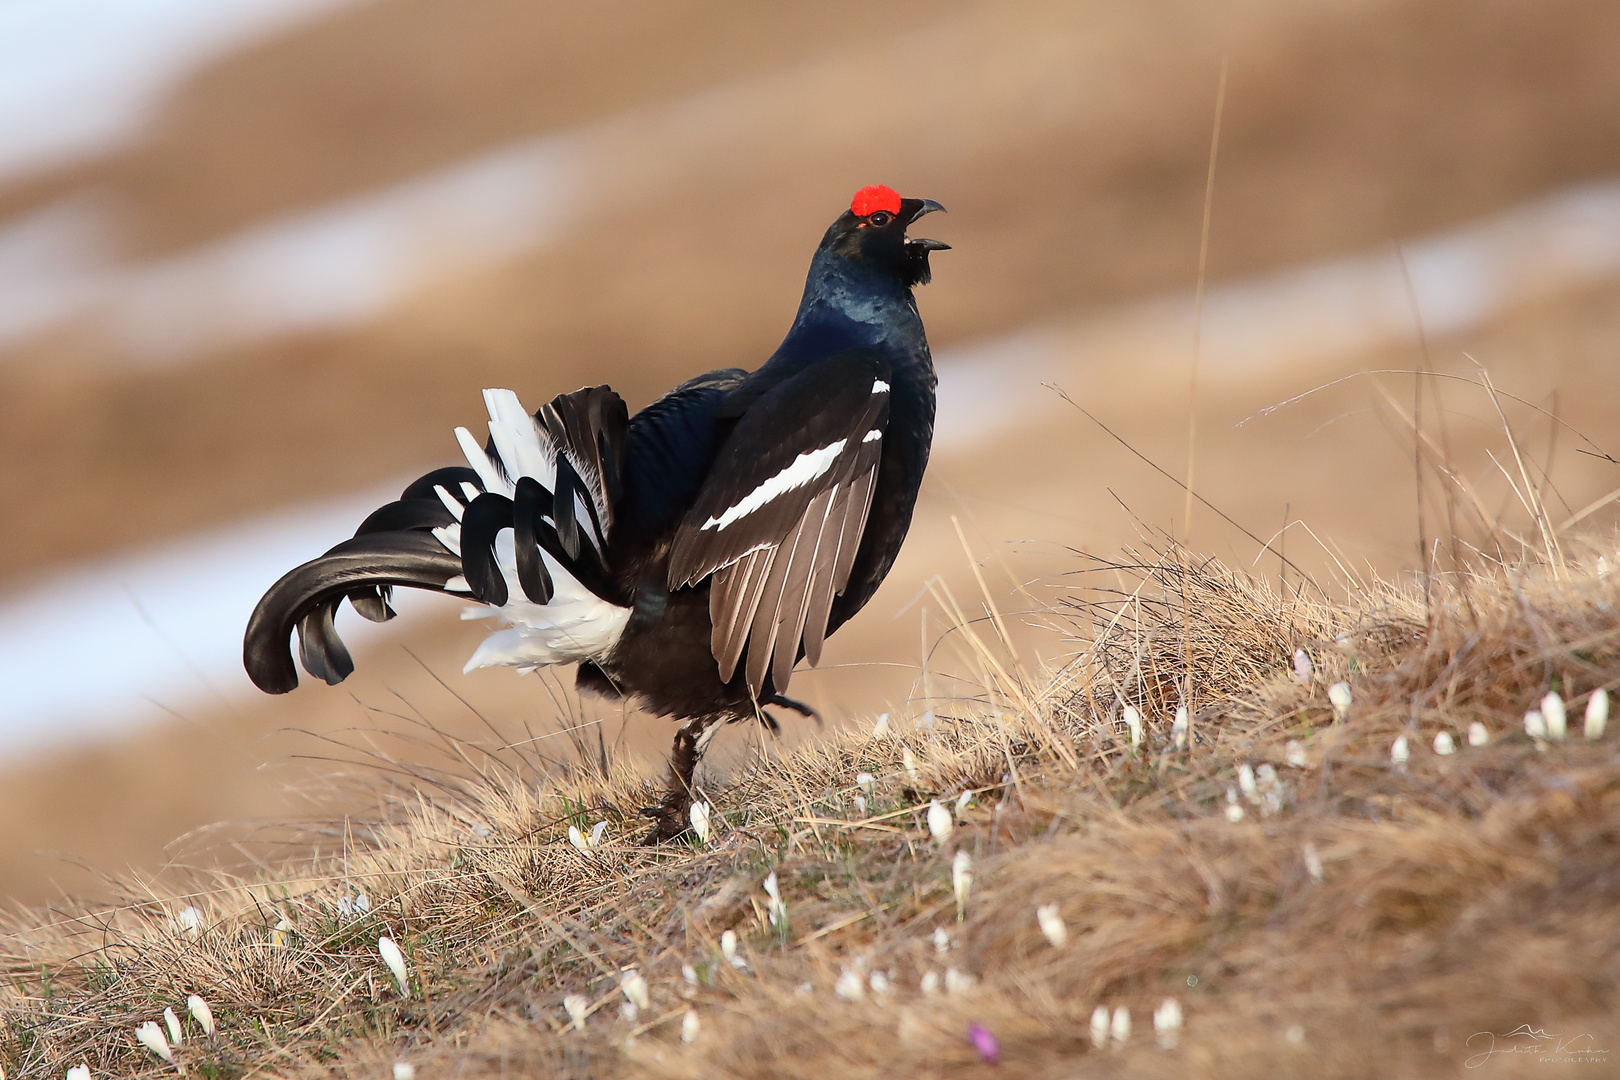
x,y
1311,904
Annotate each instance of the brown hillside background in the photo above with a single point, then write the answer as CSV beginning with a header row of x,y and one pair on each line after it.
x,y
1070,142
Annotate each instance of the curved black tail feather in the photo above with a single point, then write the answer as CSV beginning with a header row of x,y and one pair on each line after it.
x,y
307,598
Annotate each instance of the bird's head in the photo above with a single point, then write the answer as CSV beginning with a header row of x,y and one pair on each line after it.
x,y
873,232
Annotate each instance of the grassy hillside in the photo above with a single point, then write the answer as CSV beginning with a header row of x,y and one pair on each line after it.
x,y
1309,902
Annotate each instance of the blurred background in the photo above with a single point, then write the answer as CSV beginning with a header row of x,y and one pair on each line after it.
x,y
257,258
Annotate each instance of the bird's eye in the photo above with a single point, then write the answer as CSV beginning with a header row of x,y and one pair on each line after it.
x,y
880,218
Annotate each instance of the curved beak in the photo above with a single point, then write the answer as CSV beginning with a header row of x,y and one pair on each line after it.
x,y
913,209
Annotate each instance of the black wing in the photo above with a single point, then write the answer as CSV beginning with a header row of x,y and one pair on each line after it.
x,y
780,516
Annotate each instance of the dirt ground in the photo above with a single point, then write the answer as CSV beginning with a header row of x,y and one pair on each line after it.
x,y
1070,142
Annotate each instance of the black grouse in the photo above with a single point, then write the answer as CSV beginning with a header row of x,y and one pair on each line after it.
x,y
687,556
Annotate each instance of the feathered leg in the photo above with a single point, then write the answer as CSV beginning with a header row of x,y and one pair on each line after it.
x,y
670,815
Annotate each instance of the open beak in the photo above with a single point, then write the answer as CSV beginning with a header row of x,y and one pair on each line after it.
x,y
916,208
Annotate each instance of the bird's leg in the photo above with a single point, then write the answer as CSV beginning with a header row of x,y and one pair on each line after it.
x,y
797,706
670,815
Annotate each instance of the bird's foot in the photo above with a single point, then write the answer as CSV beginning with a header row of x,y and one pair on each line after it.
x,y
797,706
669,818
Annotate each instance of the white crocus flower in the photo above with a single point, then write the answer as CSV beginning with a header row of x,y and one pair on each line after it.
x,y
880,730
691,1027
1477,734
634,987
700,821
1132,718
775,908
396,963
1339,698
404,1070
1400,753
1052,925
1234,807
280,933
1167,1024
880,983
1099,1027
1597,714
596,833
866,782
961,881
577,838
860,805
1556,719
1133,721
850,986
1178,728
1302,667
963,801
1444,744
957,982
1294,754
79,1072
1535,725
930,983
1246,784
201,1013
939,821
908,761
577,1006
151,1037
728,949
189,921
942,940
1313,864
1119,1028
172,1022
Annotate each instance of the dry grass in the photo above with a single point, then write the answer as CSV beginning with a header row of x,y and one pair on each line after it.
x,y
1460,894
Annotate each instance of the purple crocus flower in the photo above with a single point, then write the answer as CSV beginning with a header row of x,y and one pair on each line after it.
x,y
985,1043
